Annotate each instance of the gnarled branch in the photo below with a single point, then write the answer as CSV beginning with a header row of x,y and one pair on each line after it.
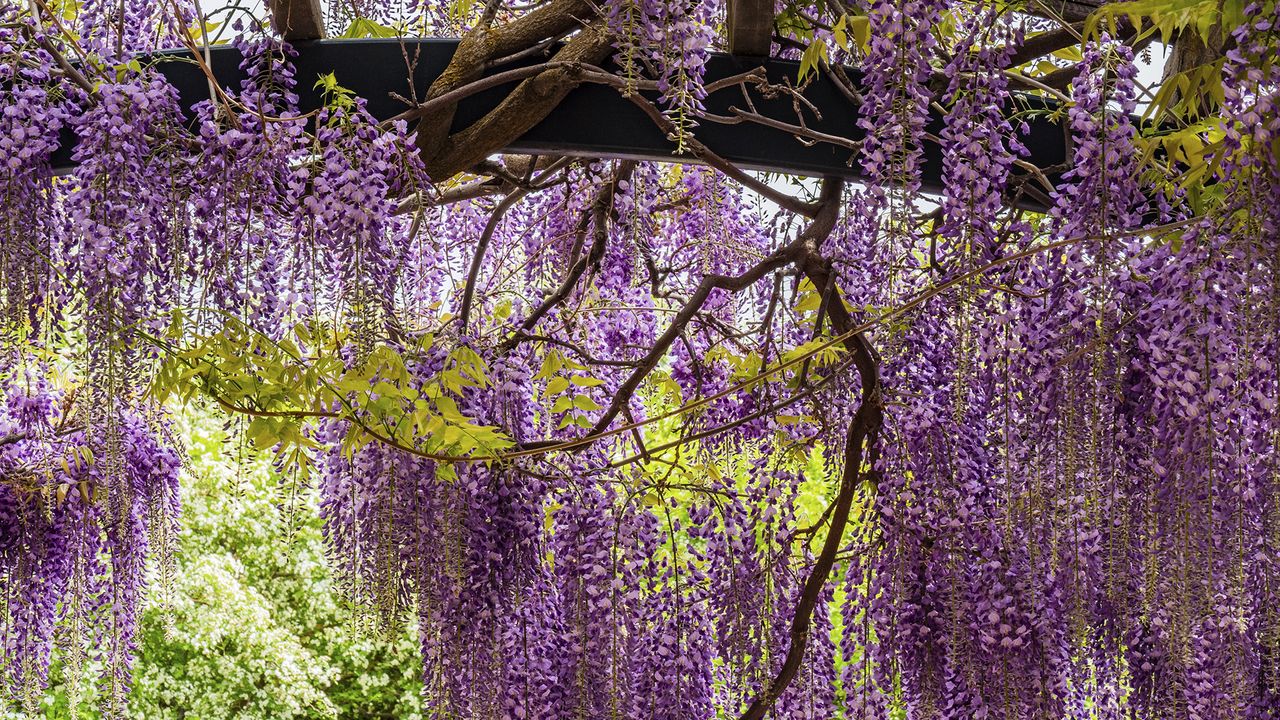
x,y
481,46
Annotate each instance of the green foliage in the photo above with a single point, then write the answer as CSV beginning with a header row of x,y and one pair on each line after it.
x,y
366,28
1168,17
335,95
853,34
813,58
1182,138
565,380
258,630
284,385
252,625
1185,94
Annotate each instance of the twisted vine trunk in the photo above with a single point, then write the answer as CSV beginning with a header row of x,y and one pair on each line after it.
x,y
859,452
446,153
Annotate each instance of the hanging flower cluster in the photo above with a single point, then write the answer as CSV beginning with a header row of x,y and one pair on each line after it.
x,y
31,117
73,542
667,41
897,69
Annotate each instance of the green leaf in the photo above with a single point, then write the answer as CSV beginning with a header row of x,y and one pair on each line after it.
x,y
452,435
551,364
366,28
449,409
263,432
328,82
809,299
840,34
584,402
861,27
813,55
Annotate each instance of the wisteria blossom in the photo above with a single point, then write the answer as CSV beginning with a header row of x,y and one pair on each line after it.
x,y
944,434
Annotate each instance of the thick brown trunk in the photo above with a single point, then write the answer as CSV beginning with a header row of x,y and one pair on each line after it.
x,y
525,107
480,47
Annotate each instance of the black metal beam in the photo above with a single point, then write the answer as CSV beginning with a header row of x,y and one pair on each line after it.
x,y
596,121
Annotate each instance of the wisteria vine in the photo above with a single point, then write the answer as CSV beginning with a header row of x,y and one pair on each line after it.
x,y
655,440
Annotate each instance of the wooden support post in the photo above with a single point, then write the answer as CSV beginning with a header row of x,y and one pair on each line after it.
x,y
750,27
297,19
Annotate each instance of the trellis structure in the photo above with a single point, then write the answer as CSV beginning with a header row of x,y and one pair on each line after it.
x,y
758,116
757,119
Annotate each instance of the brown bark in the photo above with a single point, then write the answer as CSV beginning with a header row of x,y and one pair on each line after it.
x,y
297,19
859,450
1188,52
480,47
519,112
1069,10
598,215
1045,43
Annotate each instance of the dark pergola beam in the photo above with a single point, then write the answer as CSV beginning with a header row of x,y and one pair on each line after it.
x,y
297,19
597,121
750,27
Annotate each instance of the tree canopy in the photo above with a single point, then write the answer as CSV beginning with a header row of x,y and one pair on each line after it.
x,y
945,434
249,624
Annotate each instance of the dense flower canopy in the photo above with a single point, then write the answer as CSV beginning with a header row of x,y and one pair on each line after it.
x,y
670,439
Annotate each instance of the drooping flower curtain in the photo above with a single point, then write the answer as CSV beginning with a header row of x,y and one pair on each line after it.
x,y
663,440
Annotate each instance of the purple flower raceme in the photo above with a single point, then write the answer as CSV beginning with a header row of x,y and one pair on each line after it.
x,y
239,257
674,37
34,108
897,68
346,202
979,143
73,567
1106,192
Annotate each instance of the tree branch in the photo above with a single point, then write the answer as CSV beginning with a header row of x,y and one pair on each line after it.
x,y
473,274
484,44
704,153
1046,43
823,223
526,106
599,211
859,449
